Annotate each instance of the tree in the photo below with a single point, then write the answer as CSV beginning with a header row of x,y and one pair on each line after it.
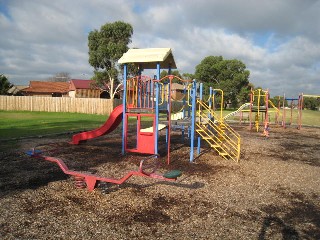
x,y
174,73
311,103
278,100
60,77
185,76
229,75
188,76
106,47
5,85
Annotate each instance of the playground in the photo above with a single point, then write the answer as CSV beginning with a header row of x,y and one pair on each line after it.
x,y
162,168
272,193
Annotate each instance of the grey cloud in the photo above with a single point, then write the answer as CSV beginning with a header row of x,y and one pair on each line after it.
x,y
42,38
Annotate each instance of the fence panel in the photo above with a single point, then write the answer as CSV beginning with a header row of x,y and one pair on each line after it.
x,y
59,104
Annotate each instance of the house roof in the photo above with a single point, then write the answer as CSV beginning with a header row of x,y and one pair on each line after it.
x,y
149,57
47,87
16,88
81,84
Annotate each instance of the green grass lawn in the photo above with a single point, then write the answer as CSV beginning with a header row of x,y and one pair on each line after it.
x,y
309,117
14,124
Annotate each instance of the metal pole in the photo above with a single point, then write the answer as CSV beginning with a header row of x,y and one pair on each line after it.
x,y
124,117
193,116
157,111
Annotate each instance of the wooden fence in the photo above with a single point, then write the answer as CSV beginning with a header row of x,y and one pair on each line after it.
x,y
59,104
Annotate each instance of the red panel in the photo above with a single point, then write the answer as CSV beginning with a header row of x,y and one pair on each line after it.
x,y
145,140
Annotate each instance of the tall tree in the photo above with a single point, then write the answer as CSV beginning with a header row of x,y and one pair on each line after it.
x,y
106,47
229,75
5,85
188,76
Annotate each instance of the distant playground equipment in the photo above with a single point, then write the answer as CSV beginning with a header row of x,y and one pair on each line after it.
x,y
149,102
262,106
239,110
298,106
259,104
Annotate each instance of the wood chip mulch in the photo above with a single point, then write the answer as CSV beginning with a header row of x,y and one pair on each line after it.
x,y
273,193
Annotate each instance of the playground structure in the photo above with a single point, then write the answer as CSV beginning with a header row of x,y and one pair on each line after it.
x,y
152,98
299,106
148,103
259,104
262,107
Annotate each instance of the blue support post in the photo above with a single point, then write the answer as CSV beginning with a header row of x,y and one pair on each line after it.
x,y
124,101
199,139
157,111
193,119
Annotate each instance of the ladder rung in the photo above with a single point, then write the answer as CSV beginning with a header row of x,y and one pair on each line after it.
x,y
223,154
216,146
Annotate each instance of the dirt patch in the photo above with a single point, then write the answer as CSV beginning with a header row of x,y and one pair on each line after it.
x,y
273,193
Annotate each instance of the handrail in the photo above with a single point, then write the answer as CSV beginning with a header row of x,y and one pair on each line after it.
x,y
219,120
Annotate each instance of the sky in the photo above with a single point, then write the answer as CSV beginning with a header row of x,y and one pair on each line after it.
x,y
277,40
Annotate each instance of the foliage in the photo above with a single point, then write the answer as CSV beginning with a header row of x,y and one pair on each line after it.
x,y
188,76
279,99
174,72
5,85
229,75
106,47
311,103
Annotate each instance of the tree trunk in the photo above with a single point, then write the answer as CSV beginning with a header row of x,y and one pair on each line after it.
x,y
111,88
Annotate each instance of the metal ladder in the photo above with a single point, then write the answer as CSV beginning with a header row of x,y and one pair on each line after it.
x,y
217,133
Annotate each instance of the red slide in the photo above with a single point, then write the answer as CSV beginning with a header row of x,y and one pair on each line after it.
x,y
111,124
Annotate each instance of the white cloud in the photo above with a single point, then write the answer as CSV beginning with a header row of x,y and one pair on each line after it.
x,y
277,39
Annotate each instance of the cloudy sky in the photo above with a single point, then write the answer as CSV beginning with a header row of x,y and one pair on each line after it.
x,y
278,40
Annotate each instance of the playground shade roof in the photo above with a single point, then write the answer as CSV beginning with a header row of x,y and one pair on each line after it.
x,y
149,57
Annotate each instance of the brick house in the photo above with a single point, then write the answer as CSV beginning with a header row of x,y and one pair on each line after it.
x,y
47,89
178,91
83,89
